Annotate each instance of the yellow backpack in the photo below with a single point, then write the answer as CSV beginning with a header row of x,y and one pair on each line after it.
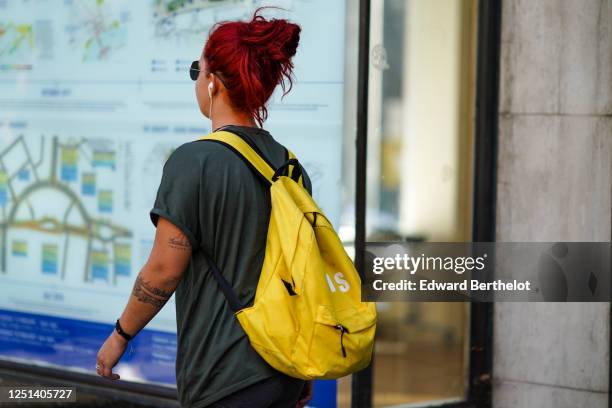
x,y
307,319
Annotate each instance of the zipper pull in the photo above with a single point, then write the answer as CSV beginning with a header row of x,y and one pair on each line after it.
x,y
342,331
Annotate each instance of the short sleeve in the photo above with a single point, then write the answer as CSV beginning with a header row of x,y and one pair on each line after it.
x,y
178,195
306,181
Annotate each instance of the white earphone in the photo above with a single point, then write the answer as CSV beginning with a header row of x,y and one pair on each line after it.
x,y
210,89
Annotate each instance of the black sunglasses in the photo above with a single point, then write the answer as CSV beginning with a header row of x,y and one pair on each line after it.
x,y
194,70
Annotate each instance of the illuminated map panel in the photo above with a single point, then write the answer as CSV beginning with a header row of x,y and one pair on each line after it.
x,y
94,97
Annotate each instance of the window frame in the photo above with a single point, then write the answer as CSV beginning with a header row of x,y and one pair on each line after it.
x,y
479,390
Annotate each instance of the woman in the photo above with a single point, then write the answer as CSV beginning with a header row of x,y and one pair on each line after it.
x,y
210,202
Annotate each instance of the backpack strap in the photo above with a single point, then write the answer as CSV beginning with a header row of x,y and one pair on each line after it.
x,y
260,167
295,171
226,288
254,159
245,151
265,170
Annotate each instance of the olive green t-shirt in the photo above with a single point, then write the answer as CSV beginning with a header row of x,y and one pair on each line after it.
x,y
216,200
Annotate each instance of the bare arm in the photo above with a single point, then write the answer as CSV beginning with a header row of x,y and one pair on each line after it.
x,y
154,285
158,278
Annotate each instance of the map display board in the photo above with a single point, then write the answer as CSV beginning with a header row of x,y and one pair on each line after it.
x,y
94,97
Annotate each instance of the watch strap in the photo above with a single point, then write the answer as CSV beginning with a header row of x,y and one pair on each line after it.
x,y
121,332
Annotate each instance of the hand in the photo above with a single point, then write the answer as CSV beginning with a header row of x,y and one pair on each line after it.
x,y
109,354
306,395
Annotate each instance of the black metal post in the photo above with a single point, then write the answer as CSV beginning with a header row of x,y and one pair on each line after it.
x,y
361,389
485,190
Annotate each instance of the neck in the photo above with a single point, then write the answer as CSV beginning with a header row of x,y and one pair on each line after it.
x,y
221,119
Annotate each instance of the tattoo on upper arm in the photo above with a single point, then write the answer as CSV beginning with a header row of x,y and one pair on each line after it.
x,y
179,242
147,293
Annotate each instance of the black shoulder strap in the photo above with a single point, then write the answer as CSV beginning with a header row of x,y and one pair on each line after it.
x,y
226,288
291,165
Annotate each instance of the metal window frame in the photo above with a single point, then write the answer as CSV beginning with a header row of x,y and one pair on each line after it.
x,y
479,391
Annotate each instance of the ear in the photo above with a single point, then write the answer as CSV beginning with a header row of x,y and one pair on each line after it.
x,y
216,82
213,85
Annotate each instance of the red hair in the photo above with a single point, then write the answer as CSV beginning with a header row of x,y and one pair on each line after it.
x,y
251,58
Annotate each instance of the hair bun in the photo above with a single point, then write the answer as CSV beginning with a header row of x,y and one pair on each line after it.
x,y
277,38
293,39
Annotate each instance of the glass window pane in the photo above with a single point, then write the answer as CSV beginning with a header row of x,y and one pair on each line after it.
x,y
419,182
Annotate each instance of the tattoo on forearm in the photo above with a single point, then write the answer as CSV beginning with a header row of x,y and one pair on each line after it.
x,y
147,293
179,242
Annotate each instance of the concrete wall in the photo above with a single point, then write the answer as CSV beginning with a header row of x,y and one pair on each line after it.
x,y
554,184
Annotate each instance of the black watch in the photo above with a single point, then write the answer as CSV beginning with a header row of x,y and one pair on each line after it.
x,y
121,332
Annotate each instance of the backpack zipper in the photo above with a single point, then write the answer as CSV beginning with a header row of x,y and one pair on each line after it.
x,y
342,331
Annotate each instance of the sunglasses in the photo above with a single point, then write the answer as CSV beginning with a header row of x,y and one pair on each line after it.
x,y
194,70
